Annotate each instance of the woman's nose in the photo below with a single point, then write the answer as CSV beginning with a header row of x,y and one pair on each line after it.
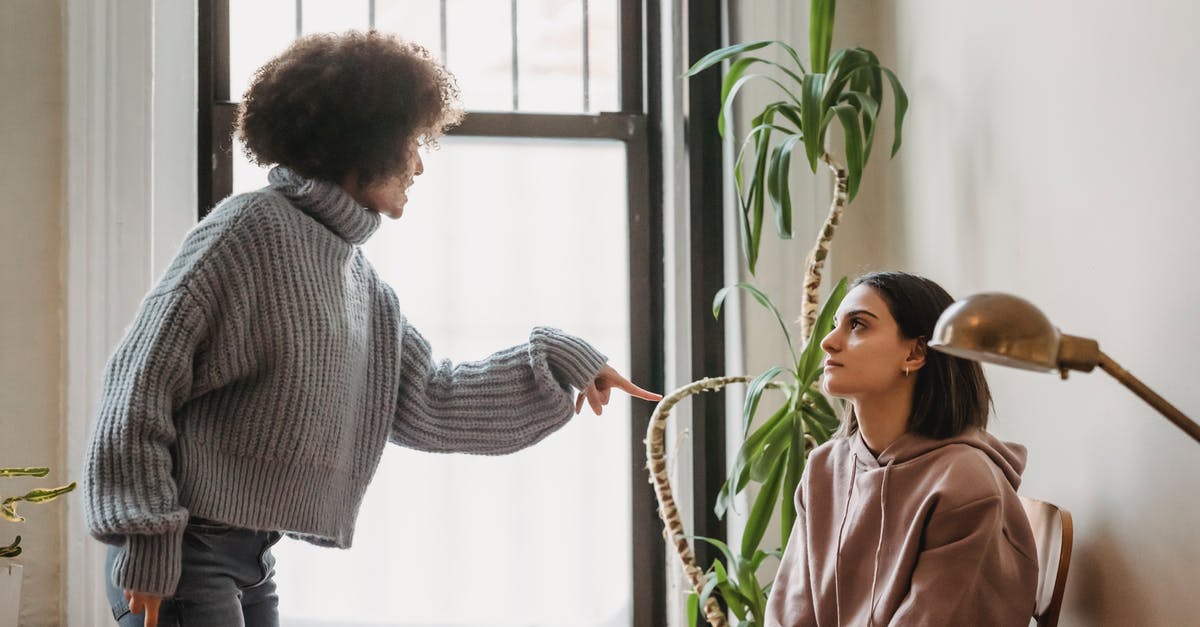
x,y
828,342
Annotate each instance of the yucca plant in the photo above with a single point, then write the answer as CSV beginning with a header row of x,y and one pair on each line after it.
x,y
8,508
846,86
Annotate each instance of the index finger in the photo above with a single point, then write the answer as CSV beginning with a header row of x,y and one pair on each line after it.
x,y
634,390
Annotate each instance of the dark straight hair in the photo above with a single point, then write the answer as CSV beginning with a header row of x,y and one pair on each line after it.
x,y
951,394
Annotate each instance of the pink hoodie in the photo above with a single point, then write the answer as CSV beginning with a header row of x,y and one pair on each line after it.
x,y
930,533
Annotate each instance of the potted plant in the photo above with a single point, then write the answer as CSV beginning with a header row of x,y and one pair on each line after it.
x,y
10,571
846,86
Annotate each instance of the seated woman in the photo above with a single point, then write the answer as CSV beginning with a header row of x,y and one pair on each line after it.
x,y
909,515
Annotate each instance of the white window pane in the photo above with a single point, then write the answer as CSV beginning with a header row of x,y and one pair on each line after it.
x,y
550,55
334,16
258,30
419,21
604,77
479,52
499,235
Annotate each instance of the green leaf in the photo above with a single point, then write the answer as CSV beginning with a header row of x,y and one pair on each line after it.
x,y
868,110
812,355
763,300
797,459
717,56
721,546
13,549
693,604
739,476
848,116
754,394
901,106
780,188
762,462
42,495
24,472
811,115
823,410
820,32
8,511
764,506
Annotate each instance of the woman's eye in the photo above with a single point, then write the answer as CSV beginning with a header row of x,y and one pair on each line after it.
x,y
854,324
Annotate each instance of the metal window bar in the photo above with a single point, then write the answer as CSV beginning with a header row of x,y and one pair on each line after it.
x,y
586,76
371,14
442,25
516,87
299,18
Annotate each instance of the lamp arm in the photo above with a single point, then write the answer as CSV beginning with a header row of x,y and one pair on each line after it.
x,y
1148,395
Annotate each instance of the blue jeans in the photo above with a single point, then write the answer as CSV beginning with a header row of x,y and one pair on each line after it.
x,y
228,579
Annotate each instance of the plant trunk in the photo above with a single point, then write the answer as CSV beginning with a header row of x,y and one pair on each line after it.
x,y
656,456
816,259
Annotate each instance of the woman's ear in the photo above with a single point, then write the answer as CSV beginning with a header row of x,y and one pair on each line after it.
x,y
916,354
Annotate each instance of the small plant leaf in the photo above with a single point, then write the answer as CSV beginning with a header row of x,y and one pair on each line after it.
x,y
11,550
754,393
739,476
42,495
811,114
812,355
848,116
820,33
8,511
762,299
693,606
779,188
764,506
901,98
717,56
24,472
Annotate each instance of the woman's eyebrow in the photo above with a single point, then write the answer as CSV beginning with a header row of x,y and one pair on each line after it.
x,y
860,311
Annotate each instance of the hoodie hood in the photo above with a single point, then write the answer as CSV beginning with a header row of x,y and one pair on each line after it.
x,y
1007,456
929,532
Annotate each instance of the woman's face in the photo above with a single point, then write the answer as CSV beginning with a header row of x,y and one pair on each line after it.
x,y
865,353
388,196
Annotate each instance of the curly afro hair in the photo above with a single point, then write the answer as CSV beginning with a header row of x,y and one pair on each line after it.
x,y
331,105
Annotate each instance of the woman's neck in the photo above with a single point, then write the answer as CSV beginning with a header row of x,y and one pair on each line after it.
x,y
883,418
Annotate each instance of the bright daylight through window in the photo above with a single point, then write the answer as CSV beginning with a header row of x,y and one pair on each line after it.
x,y
500,234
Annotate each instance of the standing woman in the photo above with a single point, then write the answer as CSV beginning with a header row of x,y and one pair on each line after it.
x,y
261,378
910,515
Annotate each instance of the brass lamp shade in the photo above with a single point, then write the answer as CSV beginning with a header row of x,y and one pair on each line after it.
x,y
1001,329
1010,331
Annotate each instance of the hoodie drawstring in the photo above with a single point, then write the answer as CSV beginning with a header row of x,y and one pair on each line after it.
x,y
837,562
887,471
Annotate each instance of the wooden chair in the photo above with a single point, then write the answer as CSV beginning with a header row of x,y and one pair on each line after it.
x,y
1053,534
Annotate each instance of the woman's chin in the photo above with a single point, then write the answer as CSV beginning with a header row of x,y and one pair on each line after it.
x,y
832,388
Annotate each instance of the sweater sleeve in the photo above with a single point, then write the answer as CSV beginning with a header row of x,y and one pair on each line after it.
x,y
498,405
790,603
130,496
968,573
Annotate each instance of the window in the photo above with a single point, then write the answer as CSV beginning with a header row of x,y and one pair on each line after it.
x,y
537,210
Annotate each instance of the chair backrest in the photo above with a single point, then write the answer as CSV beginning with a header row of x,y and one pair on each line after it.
x,y
1053,533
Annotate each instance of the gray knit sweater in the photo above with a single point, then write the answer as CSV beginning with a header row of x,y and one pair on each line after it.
x,y
263,375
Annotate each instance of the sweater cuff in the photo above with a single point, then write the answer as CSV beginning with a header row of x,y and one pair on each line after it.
x,y
572,361
150,564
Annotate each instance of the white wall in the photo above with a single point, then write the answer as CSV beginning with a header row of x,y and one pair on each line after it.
x,y
1050,152
31,292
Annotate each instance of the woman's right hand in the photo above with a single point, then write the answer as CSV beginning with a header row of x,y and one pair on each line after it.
x,y
140,602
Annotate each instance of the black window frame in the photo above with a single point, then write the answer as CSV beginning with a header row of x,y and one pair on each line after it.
x,y
638,125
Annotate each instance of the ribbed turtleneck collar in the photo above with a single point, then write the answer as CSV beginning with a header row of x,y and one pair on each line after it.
x,y
327,203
